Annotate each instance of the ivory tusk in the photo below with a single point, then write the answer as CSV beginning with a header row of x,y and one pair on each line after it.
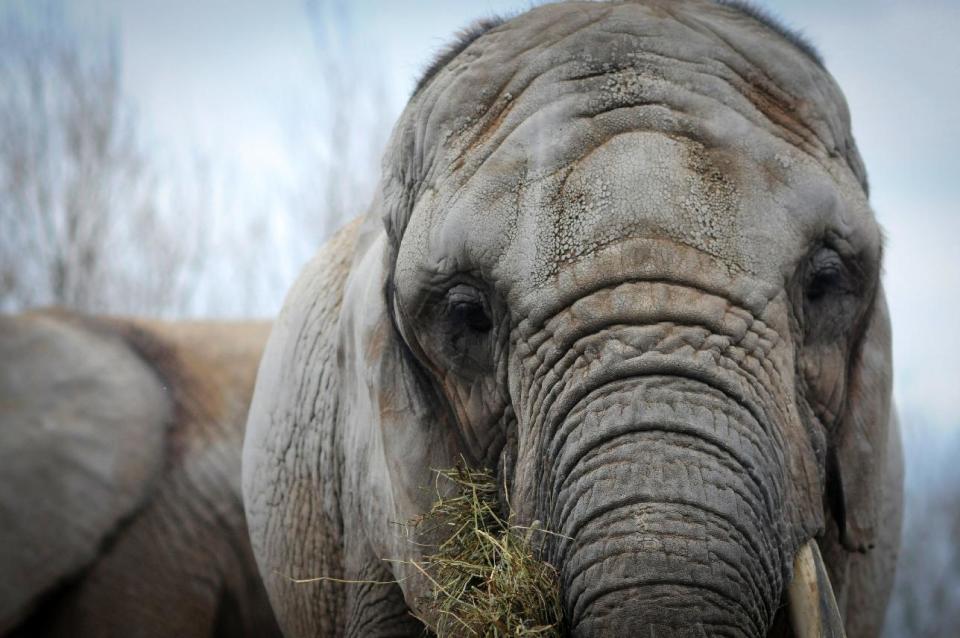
x,y
813,607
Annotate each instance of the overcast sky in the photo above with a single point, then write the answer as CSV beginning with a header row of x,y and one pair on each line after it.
x,y
224,77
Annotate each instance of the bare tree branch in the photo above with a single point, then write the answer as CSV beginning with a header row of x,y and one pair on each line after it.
x,y
77,191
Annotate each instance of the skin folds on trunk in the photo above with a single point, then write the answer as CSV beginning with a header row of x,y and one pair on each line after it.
x,y
663,450
669,512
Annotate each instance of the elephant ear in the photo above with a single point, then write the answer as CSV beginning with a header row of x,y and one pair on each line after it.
x,y
395,433
400,426
291,465
317,487
82,427
861,438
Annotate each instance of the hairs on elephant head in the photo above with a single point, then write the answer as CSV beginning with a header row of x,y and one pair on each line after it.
x,y
622,257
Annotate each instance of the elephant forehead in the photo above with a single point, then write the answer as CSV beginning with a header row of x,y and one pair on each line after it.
x,y
694,57
523,227
578,125
642,184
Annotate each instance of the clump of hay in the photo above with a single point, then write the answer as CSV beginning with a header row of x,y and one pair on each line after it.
x,y
487,578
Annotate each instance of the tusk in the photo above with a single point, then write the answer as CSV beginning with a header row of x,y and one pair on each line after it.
x,y
813,607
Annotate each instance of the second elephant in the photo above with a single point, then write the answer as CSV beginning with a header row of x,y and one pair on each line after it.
x,y
120,508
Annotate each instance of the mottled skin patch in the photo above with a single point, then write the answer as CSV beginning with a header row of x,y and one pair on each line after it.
x,y
657,213
131,484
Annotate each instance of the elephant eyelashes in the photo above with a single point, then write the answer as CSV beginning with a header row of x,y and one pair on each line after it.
x,y
466,309
828,276
830,296
463,338
455,329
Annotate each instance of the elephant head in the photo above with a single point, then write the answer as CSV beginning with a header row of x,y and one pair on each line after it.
x,y
623,255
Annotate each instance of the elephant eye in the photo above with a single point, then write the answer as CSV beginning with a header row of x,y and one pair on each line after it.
x,y
467,309
832,289
828,275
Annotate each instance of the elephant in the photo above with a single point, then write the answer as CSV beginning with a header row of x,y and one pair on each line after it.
x,y
622,256
120,504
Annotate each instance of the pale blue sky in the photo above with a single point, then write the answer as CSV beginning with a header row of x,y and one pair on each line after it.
x,y
224,77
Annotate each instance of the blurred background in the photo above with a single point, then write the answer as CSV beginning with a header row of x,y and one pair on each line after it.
x,y
185,159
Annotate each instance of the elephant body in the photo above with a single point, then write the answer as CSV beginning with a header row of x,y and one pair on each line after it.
x,y
622,255
120,507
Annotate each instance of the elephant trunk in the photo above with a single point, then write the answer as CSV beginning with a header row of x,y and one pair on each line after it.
x,y
668,506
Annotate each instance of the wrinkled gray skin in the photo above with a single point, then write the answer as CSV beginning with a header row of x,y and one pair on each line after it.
x,y
120,507
623,254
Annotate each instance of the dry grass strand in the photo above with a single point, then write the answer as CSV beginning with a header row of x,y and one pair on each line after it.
x,y
488,580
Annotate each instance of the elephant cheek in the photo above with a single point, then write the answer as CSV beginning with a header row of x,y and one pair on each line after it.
x,y
824,374
667,494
